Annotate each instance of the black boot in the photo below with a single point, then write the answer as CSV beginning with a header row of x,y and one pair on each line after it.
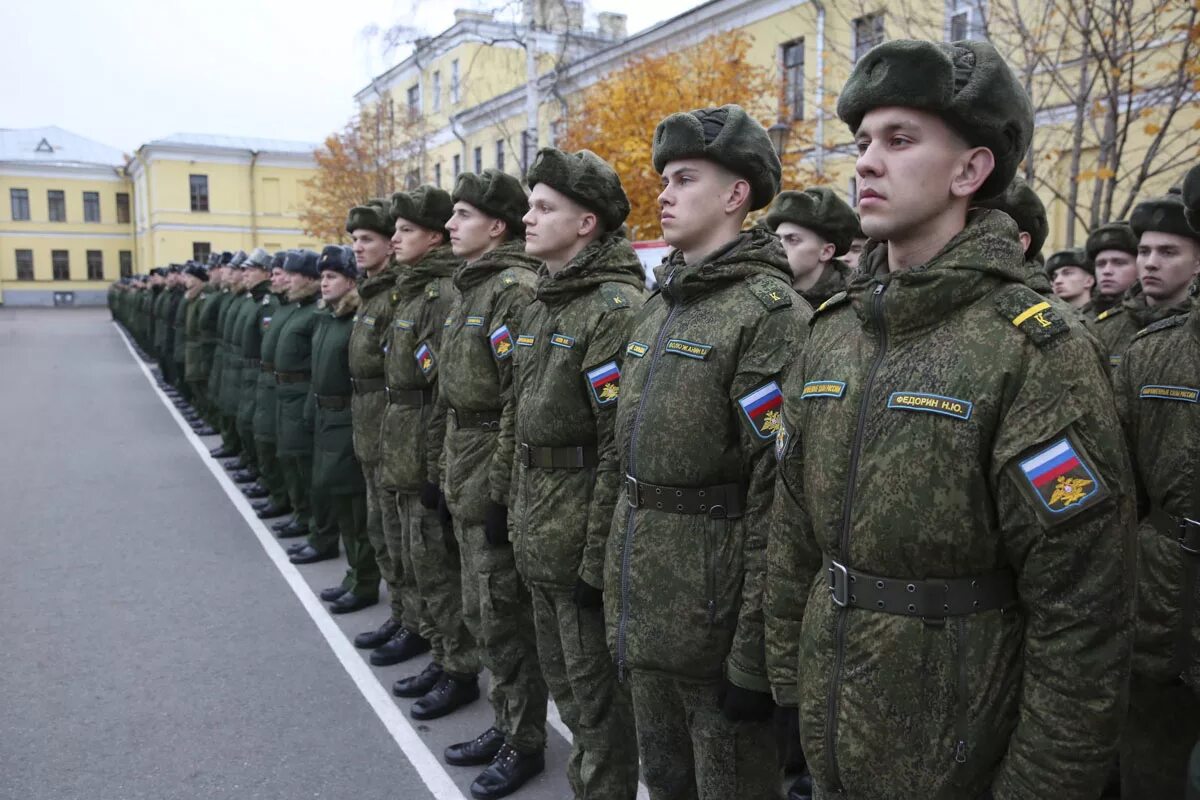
x,y
510,770
333,593
310,555
292,530
378,637
270,510
449,695
420,684
401,647
480,750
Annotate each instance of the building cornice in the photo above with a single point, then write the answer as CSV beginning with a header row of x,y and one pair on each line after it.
x,y
62,171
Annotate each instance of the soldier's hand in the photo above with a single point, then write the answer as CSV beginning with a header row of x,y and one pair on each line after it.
x,y
443,511
744,705
430,493
587,596
495,524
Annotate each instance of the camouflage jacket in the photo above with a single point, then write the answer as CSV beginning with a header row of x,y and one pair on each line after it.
x,y
335,468
266,408
945,422
293,353
700,408
1116,327
255,304
1158,395
411,432
834,277
566,380
476,375
371,324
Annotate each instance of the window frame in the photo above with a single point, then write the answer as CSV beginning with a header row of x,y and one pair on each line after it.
x,y
91,199
793,93
51,196
500,154
24,203
477,159
24,254
66,265
98,264
124,208
437,90
125,262
877,33
197,198
455,83
457,165
201,251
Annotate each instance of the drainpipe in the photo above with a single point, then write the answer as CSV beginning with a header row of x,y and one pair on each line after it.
x,y
253,202
820,150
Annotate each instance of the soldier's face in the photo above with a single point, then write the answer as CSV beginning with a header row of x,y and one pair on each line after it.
x,y
555,225
913,171
697,195
298,282
334,285
279,280
856,248
371,249
1072,284
807,252
472,232
254,276
411,242
1167,264
1116,271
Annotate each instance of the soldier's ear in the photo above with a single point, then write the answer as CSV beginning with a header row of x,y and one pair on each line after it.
x,y
738,199
588,224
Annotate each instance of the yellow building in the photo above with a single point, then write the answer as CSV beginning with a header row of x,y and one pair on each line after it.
x,y
66,227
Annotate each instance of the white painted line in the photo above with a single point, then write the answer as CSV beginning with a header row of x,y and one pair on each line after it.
x,y
415,750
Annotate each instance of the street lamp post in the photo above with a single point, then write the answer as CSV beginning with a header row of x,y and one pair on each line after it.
x,y
779,133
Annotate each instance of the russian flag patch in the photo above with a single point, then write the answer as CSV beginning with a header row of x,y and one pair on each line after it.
x,y
1061,479
762,409
501,341
605,381
424,357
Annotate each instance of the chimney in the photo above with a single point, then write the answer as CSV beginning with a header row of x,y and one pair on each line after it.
x,y
612,26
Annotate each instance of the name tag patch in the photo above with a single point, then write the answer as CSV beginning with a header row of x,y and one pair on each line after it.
x,y
474,322
424,357
688,349
1185,394
933,403
403,324
562,340
762,409
637,349
1114,361
449,321
605,381
823,389
369,321
525,340
1061,479
501,341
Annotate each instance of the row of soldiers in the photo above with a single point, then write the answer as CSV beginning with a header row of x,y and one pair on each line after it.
x,y
932,528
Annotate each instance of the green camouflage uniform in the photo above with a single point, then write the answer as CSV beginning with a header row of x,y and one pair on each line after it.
x,y
947,423
1116,327
425,292
1158,395
339,492
566,379
366,366
270,473
293,433
475,388
683,590
834,277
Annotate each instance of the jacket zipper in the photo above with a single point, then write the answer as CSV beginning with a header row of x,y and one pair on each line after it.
x,y
835,778
623,617
960,749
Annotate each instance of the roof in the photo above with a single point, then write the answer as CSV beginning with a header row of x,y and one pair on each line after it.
x,y
210,140
54,146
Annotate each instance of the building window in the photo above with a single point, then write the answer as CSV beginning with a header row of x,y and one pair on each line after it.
x,y
478,160
126,259
198,184
95,265
414,101
123,207
24,265
60,263
852,191
793,78
556,132
437,90
437,174
457,166
868,32
412,180
455,85
57,202
20,204
528,149
91,206
500,154
201,251
965,19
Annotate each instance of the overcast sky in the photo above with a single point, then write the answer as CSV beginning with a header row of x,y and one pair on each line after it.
x,y
123,72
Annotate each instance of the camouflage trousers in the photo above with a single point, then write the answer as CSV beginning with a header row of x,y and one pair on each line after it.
x,y
1161,727
344,516
430,557
596,708
690,751
408,607
297,476
270,473
376,527
496,608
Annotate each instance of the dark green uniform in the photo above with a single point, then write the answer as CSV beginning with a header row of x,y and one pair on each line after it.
x,y
1116,327
216,327
247,344
270,473
295,323
179,341
231,368
1158,394
210,337
834,277
686,558
950,571
566,380
198,356
475,389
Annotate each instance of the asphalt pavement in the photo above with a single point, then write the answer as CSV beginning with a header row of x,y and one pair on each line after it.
x,y
154,641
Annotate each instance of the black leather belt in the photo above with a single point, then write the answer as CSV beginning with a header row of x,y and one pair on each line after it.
x,y
487,420
368,385
292,377
584,457
414,398
931,598
268,366
333,402
725,501
1185,531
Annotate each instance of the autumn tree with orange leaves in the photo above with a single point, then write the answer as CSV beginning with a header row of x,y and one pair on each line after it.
x,y
616,117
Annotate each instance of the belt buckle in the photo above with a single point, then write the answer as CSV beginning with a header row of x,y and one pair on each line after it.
x,y
1184,539
839,590
526,454
632,491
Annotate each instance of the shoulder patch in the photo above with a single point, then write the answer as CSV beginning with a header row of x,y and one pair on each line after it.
x,y
432,292
1032,314
612,296
501,341
1112,312
508,278
836,300
1060,480
1162,325
605,382
771,293
762,408
425,360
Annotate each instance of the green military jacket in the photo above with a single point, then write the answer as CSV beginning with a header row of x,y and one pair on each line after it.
x,y
946,422
366,359
179,327
411,432
220,345
699,409
247,335
210,332
197,358
336,470
162,322
1158,394
1116,327
146,313
476,376
266,409
566,381
231,370
834,277
293,355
